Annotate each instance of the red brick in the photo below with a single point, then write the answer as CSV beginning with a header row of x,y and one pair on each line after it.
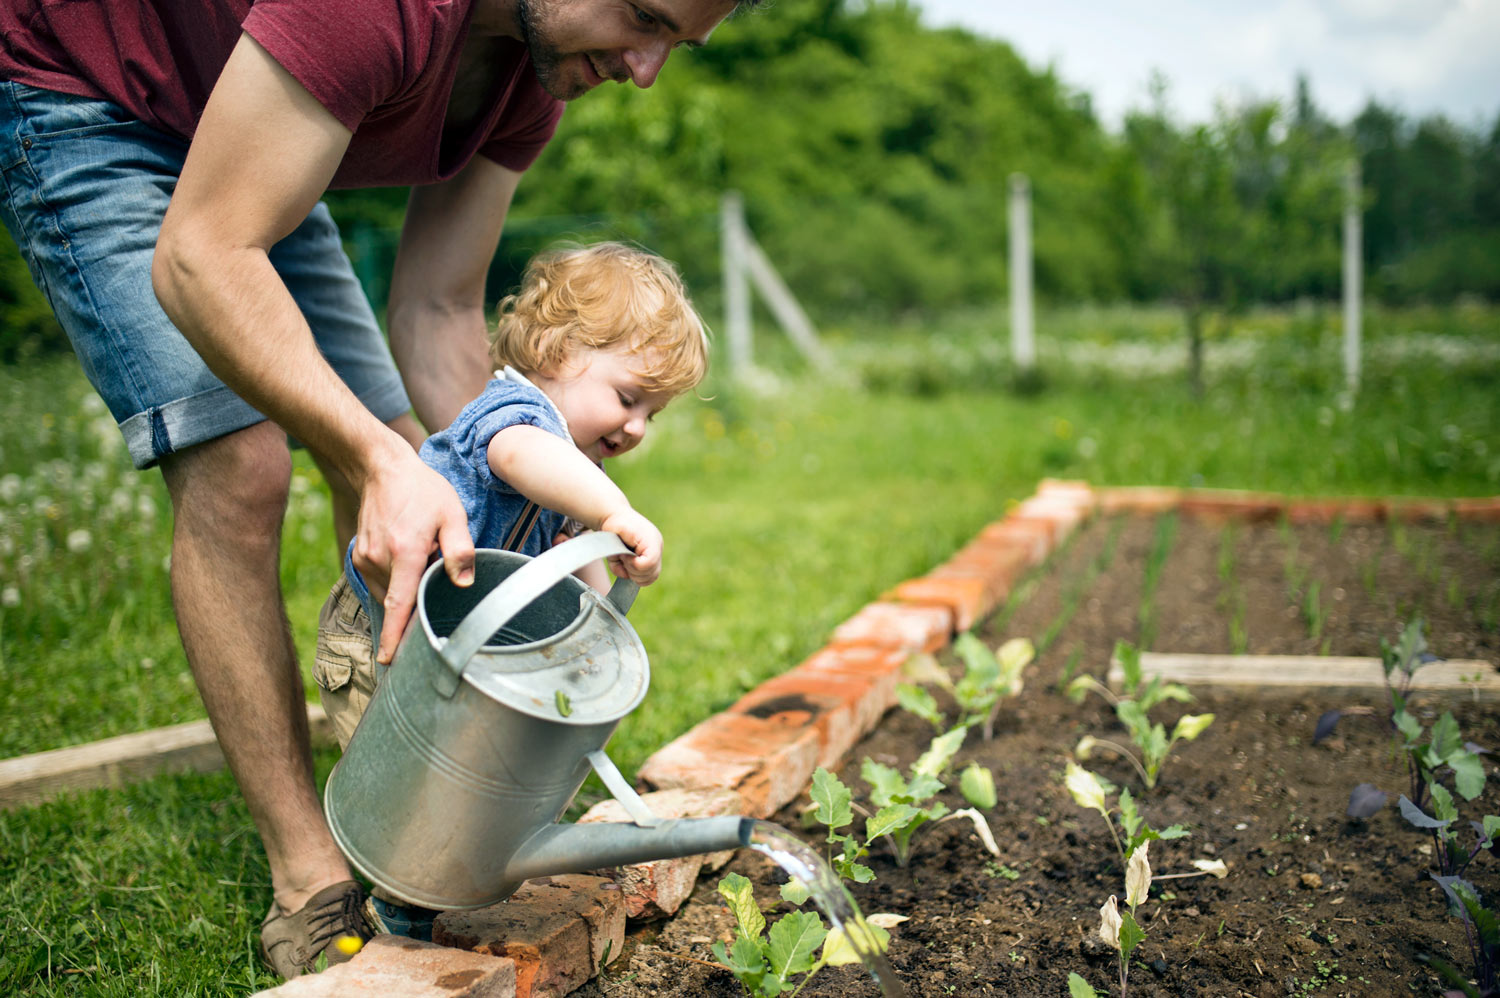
x,y
1064,516
1149,500
1077,492
1329,510
1226,506
766,760
896,625
1486,509
1419,510
967,596
396,967
556,929
841,709
1032,537
1002,564
654,889
878,668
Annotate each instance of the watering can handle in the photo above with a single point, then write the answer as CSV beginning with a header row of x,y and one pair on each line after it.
x,y
523,586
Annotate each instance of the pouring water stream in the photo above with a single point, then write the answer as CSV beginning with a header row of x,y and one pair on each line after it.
x,y
803,862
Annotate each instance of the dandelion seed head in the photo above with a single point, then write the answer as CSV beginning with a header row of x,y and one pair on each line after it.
x,y
10,596
79,540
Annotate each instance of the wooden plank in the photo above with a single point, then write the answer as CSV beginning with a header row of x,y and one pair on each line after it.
x,y
114,762
1454,679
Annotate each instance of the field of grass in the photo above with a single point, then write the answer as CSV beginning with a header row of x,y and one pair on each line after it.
x,y
785,510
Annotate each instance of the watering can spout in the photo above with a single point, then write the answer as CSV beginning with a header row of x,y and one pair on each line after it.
x,y
558,849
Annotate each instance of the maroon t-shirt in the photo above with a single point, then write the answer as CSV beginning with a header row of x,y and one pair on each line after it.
x,y
384,68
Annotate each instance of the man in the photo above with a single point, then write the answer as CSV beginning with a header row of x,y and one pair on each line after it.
x,y
240,117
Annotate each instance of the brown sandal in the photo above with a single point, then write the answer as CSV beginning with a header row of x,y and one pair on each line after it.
x,y
290,944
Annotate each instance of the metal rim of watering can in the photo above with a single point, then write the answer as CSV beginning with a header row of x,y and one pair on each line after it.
x,y
523,586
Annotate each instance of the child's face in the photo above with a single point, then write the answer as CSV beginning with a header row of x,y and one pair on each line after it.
x,y
605,403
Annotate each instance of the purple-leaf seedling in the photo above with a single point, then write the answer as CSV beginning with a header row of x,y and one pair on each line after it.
x,y
1482,931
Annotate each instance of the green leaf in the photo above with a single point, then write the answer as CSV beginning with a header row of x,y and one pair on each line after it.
x,y
745,960
885,783
738,892
1079,988
977,784
1491,826
1130,935
1442,803
943,748
833,799
921,787
795,892
1085,788
793,941
1408,725
1129,657
1468,773
1446,738
839,951
1079,688
980,664
1190,726
920,703
1130,816
888,819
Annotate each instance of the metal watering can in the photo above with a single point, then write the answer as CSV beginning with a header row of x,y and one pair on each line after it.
x,y
499,699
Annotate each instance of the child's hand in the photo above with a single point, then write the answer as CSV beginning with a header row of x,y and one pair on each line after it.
x,y
641,534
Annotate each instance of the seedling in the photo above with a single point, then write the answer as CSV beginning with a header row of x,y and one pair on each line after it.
x,y
905,804
835,809
1149,737
1161,546
798,944
989,676
1120,928
1092,792
1482,931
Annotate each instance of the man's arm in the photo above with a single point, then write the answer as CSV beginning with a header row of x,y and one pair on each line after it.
x,y
436,314
263,154
552,472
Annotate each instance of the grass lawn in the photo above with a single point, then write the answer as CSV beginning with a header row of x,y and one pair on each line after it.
x,y
784,512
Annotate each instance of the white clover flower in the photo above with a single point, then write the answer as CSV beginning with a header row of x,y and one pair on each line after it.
x,y
1137,876
79,540
145,507
1110,922
10,487
92,404
10,596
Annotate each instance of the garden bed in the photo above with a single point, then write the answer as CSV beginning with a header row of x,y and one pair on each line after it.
x,y
1314,902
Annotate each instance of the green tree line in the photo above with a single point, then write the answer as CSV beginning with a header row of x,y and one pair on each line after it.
x,y
874,153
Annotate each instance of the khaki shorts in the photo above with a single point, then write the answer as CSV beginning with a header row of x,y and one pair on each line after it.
x,y
344,666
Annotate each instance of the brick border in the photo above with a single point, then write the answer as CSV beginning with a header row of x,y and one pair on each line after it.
x,y
760,753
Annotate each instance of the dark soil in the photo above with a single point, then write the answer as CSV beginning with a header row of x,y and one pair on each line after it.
x,y
1315,903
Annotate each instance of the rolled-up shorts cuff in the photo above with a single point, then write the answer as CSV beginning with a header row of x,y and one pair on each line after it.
x,y
83,188
182,423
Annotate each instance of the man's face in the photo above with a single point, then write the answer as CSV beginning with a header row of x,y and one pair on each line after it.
x,y
578,44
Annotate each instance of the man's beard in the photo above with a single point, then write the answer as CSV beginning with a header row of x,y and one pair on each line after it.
x,y
546,60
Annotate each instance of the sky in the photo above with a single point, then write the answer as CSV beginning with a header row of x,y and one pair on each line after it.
x,y
1422,56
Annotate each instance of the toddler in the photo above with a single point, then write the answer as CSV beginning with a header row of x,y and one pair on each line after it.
x,y
597,341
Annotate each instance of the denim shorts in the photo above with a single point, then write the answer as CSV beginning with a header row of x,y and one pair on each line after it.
x,y
85,188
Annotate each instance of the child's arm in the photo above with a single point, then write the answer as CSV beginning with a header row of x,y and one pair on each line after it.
x,y
551,472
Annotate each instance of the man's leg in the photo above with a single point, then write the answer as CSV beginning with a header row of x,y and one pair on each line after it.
x,y
228,497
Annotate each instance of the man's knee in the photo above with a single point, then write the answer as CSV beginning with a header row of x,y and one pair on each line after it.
x,y
237,482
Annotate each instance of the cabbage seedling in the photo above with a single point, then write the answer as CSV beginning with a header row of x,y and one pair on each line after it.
x,y
765,961
1092,792
1119,928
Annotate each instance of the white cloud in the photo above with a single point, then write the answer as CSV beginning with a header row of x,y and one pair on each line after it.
x,y
1423,56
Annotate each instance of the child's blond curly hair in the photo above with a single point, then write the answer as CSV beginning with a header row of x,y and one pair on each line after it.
x,y
597,296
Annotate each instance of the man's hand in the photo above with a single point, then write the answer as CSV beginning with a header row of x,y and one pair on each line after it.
x,y
407,513
640,534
